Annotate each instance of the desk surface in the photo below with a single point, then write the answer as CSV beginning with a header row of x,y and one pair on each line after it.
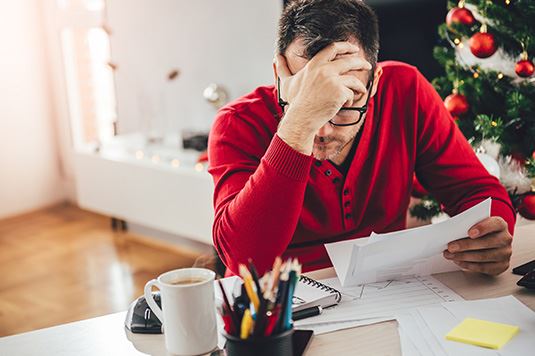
x,y
106,335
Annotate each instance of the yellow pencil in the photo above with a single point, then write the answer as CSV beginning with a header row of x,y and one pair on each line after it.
x,y
248,282
246,324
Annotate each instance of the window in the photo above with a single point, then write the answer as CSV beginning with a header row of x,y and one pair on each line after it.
x,y
88,70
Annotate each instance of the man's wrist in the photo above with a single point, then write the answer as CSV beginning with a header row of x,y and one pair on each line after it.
x,y
296,132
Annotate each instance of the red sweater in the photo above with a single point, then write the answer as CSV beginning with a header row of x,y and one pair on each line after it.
x,y
271,200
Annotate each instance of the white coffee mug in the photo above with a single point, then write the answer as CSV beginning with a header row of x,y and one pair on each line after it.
x,y
188,310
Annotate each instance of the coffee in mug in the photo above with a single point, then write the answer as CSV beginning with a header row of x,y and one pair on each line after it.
x,y
187,281
188,311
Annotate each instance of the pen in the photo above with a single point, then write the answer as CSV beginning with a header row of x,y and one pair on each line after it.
x,y
231,314
282,300
307,313
254,274
272,317
292,280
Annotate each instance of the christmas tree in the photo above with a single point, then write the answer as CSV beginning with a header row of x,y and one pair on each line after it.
x,y
487,51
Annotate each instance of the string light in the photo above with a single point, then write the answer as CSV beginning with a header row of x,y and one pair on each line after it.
x,y
139,154
493,123
507,2
155,159
457,41
175,163
199,167
476,75
500,75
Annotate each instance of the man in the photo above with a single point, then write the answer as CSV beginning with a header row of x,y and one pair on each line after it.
x,y
329,153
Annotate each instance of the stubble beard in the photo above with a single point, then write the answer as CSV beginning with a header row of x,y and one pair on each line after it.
x,y
321,152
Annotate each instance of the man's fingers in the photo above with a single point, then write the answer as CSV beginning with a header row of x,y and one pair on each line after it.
x,y
349,96
353,83
492,224
350,63
488,255
330,52
494,240
491,268
282,67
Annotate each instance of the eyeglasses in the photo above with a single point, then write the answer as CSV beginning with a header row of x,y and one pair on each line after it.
x,y
340,122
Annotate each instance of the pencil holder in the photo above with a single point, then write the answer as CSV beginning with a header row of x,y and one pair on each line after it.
x,y
280,345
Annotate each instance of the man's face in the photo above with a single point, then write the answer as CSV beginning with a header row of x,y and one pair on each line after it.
x,y
330,140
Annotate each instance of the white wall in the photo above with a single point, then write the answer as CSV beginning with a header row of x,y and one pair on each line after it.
x,y
30,170
229,42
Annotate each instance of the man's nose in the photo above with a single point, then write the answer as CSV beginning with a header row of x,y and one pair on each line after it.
x,y
325,130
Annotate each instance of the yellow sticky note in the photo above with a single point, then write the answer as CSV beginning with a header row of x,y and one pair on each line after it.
x,y
482,333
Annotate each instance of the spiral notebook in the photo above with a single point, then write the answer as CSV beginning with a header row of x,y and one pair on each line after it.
x,y
309,293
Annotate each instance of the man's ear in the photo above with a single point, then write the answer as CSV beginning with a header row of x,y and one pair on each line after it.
x,y
376,77
275,74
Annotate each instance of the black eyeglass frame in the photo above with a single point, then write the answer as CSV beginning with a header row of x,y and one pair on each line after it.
x,y
362,110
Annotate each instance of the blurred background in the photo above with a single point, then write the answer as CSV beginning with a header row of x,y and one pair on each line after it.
x,y
104,111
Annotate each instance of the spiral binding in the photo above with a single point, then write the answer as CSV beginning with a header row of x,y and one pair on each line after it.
x,y
319,285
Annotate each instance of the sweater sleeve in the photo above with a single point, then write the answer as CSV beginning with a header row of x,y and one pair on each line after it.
x,y
258,193
446,164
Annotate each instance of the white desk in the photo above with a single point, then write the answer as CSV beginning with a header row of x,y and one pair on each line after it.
x,y
106,335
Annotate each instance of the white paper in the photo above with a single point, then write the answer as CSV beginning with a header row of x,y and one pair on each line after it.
x,y
508,310
403,253
324,328
407,346
382,299
440,322
427,326
410,330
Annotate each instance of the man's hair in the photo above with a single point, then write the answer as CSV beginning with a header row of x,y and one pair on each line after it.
x,y
321,22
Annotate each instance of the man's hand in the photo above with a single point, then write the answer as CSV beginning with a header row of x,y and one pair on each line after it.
x,y
486,250
317,92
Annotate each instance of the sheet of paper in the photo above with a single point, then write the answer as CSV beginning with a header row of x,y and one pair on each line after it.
x,y
324,328
407,346
508,310
409,327
232,286
427,326
382,299
402,253
428,336
440,321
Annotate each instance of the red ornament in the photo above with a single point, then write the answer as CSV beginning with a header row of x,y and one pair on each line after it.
x,y
527,207
524,68
519,157
460,15
482,45
456,104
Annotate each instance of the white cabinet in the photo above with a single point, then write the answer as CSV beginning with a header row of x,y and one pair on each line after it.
x,y
156,187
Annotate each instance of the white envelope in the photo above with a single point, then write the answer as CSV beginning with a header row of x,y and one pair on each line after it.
x,y
405,253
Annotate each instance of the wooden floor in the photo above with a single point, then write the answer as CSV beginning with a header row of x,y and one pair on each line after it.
x,y
64,264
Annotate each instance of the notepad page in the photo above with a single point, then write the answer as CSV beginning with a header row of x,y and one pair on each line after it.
x,y
307,295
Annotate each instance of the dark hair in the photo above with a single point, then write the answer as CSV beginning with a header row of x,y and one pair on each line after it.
x,y
321,22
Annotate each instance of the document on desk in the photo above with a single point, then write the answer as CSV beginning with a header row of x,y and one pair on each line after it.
x,y
373,302
402,254
427,327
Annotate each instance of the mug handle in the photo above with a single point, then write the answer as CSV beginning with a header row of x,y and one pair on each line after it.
x,y
150,300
